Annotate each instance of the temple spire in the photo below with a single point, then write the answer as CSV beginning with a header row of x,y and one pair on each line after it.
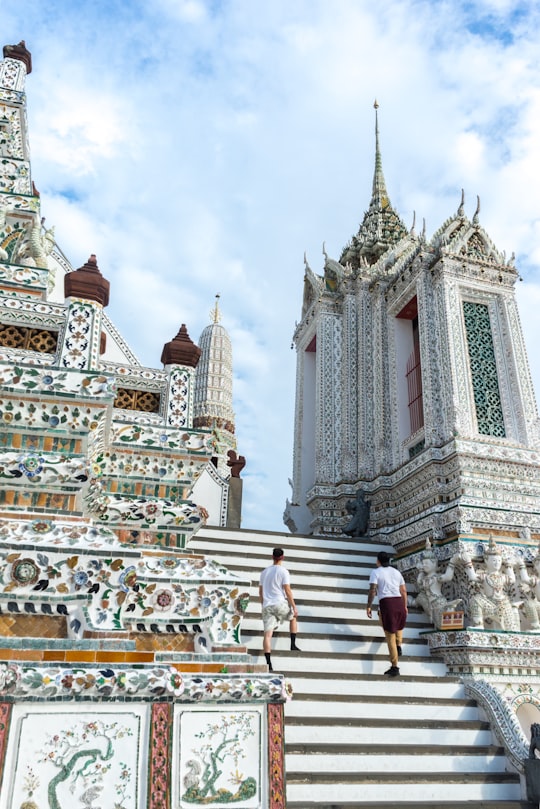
x,y
381,227
380,194
215,314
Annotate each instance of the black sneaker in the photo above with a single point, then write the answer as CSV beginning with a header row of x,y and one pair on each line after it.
x,y
393,671
295,648
399,650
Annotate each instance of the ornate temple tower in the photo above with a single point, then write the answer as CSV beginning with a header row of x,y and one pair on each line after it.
x,y
413,386
98,593
213,388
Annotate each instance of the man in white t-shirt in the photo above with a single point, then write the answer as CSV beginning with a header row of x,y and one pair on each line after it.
x,y
277,603
389,585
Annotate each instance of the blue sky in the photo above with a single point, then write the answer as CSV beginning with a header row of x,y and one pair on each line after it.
x,y
201,147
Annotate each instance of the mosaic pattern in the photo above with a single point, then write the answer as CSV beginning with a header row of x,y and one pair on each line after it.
x,y
11,141
27,379
136,374
164,438
180,398
501,713
55,533
82,332
143,512
31,277
12,77
51,415
121,591
168,468
472,652
51,470
483,369
144,682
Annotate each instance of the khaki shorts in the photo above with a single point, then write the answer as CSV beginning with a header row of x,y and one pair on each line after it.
x,y
274,614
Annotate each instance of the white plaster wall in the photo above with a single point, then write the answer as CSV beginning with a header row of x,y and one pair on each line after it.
x,y
209,493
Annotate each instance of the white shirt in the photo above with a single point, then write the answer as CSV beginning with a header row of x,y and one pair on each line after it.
x,y
272,580
388,581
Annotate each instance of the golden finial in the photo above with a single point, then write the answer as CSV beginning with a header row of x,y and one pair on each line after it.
x,y
215,314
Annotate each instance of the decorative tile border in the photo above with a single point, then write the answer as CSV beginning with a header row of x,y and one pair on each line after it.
x,y
159,772
160,437
5,718
276,757
144,683
502,717
28,379
486,652
58,534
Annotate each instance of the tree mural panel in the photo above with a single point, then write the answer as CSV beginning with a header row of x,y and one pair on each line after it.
x,y
219,759
63,759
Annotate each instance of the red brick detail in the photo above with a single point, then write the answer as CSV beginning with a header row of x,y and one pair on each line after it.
x,y
276,757
159,767
5,719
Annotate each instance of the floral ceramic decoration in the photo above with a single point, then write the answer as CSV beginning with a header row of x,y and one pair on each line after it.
x,y
46,682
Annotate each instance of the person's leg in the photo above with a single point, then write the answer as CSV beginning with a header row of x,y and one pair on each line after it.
x,y
293,629
267,647
267,640
399,641
392,648
270,623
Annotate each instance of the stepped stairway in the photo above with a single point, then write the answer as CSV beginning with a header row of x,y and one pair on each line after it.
x,y
354,738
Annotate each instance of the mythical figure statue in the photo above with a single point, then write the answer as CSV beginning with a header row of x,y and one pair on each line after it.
x,y
529,586
359,509
430,596
37,246
535,740
236,463
492,601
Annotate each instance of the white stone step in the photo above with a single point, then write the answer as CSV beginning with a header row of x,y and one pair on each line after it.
x,y
292,662
442,688
411,739
374,710
312,645
407,736
301,763
318,636
424,793
246,539
261,556
315,602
